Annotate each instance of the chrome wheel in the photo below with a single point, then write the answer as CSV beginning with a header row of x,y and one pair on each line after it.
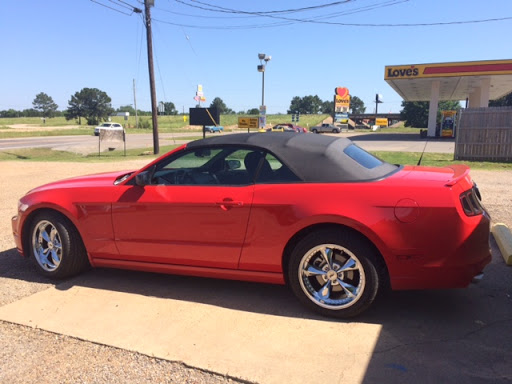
x,y
47,245
331,276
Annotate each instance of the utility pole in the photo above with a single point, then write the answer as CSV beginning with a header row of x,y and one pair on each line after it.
x,y
154,110
135,104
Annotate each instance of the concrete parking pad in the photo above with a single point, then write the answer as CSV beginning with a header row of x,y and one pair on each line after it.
x,y
253,346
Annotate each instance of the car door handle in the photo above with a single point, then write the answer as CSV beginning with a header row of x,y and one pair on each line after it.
x,y
228,203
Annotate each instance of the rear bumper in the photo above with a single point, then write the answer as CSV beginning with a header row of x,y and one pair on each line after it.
x,y
449,266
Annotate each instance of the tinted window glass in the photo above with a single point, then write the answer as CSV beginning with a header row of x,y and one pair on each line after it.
x,y
364,158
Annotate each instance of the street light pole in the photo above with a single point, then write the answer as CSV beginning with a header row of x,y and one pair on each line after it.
x,y
263,87
264,59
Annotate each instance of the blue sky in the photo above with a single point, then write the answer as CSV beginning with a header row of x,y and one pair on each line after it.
x,y
60,47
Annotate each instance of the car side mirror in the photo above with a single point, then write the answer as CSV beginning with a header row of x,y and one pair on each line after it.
x,y
145,177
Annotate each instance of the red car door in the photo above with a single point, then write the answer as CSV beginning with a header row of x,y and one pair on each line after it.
x,y
194,225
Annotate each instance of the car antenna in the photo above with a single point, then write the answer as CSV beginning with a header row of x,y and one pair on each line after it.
x,y
422,153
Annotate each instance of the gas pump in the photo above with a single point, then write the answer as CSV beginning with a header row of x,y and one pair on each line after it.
x,y
448,123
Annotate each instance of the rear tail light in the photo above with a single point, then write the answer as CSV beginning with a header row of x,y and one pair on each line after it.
x,y
470,201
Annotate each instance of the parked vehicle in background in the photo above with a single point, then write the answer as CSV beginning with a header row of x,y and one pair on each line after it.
x,y
325,128
214,128
108,126
287,127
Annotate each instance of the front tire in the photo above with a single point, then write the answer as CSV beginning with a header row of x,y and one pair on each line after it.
x,y
56,246
334,273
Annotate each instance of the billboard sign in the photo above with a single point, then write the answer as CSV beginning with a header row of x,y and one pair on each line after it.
x,y
341,100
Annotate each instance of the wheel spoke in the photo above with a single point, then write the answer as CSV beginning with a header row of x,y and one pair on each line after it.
x,y
350,265
43,255
327,256
44,234
55,257
313,271
324,292
54,235
349,289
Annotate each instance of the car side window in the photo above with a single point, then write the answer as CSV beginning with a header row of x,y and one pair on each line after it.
x,y
226,165
274,171
205,166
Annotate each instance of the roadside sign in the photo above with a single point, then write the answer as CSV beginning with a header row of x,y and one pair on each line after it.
x,y
382,122
247,122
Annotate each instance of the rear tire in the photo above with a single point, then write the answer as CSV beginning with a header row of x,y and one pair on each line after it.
x,y
56,246
334,273
314,131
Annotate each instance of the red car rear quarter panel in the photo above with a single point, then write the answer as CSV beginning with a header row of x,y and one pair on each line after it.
x,y
450,248
442,247
280,211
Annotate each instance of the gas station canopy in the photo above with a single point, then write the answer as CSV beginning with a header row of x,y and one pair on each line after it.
x,y
476,81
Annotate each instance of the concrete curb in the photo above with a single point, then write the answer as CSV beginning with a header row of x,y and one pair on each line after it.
x,y
503,238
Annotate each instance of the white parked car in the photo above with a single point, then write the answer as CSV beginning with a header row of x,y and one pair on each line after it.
x,y
108,126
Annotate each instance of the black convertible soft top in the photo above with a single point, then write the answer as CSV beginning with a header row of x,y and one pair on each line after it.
x,y
314,158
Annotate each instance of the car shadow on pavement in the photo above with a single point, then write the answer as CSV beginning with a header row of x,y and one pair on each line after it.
x,y
439,306
17,267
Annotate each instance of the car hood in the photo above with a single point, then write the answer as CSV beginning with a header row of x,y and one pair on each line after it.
x,y
96,180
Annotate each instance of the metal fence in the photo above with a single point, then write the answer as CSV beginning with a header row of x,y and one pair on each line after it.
x,y
484,134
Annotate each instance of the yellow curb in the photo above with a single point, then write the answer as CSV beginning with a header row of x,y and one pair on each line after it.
x,y
503,237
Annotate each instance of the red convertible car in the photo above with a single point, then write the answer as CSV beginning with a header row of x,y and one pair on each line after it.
x,y
317,213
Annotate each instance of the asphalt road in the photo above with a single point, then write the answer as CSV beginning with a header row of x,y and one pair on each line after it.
x,y
89,144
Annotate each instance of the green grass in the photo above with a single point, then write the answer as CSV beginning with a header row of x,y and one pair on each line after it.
x,y
166,124
47,154
404,158
437,160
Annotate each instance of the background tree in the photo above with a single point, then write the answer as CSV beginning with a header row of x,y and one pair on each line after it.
x,y
306,105
90,103
328,107
220,105
30,113
44,104
295,105
170,108
9,113
126,108
253,111
415,113
505,101
357,105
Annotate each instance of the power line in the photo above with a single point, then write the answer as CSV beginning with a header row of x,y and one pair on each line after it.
x,y
121,5
294,10
314,20
112,8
